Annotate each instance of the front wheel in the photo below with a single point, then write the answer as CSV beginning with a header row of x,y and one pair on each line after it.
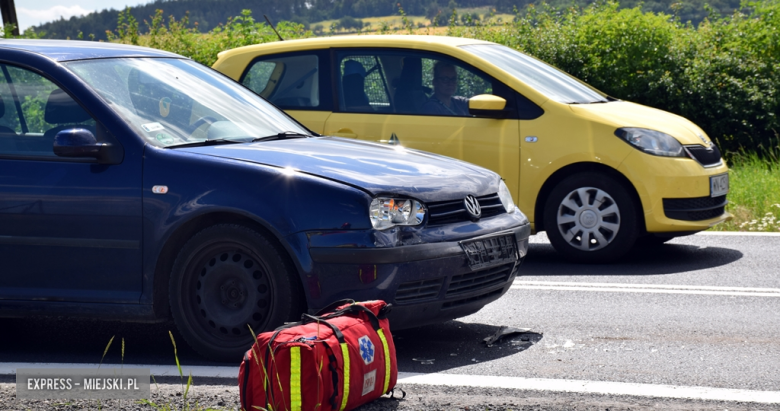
x,y
590,218
226,279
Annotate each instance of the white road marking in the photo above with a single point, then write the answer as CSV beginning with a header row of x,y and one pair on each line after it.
x,y
541,238
646,288
592,387
747,233
477,381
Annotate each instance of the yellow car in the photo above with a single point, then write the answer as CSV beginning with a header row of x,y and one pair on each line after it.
x,y
596,173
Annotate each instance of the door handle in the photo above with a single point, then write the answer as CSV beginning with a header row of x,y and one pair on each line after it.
x,y
345,132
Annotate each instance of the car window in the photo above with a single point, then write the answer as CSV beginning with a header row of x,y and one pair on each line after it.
x,y
32,111
363,85
392,81
290,82
177,101
552,82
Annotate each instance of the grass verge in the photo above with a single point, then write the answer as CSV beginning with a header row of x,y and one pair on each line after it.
x,y
754,196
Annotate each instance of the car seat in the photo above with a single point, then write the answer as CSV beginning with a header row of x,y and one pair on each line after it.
x,y
353,84
4,129
7,134
62,110
410,94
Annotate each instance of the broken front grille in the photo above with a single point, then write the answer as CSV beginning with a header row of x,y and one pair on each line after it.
x,y
415,291
458,303
479,280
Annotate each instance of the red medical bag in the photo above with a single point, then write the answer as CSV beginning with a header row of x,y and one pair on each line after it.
x,y
331,362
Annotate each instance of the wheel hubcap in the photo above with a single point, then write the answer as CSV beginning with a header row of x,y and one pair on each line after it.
x,y
231,291
588,218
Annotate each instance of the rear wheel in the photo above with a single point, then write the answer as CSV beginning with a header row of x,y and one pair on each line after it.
x,y
226,279
590,218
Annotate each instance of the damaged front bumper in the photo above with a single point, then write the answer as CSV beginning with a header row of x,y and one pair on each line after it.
x,y
426,283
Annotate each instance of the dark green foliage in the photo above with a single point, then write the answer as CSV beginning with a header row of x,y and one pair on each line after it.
x,y
204,14
350,23
207,14
723,75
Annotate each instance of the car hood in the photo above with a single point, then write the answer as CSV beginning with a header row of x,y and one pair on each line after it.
x,y
626,114
375,168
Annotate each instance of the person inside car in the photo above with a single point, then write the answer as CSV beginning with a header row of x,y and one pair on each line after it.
x,y
442,102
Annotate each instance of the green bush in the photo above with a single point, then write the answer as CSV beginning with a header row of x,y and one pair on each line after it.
x,y
350,23
724,74
177,37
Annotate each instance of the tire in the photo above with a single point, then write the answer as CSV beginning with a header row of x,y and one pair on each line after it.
x,y
590,218
225,277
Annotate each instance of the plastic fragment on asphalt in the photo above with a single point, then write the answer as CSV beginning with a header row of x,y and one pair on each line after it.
x,y
502,333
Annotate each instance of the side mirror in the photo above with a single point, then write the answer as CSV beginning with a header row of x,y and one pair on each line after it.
x,y
80,142
487,105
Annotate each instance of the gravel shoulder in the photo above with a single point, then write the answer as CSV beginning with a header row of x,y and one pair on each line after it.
x,y
418,398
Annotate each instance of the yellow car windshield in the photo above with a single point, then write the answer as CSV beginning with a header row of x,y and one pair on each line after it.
x,y
548,80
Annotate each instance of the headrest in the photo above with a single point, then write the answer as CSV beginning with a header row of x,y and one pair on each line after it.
x,y
61,109
354,67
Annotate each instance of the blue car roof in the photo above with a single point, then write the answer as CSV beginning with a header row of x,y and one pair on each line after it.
x,y
64,50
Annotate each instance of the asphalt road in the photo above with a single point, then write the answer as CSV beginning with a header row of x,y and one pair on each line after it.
x,y
699,311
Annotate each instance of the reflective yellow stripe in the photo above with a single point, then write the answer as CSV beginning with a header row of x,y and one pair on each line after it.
x,y
387,359
345,389
295,379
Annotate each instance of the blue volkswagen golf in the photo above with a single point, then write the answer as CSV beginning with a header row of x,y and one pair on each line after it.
x,y
136,184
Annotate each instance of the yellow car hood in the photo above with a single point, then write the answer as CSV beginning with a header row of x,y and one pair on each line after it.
x,y
625,114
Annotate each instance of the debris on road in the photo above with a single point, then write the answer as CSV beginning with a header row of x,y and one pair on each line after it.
x,y
505,332
424,361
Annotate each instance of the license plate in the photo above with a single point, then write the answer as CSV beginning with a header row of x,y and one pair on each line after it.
x,y
491,251
719,185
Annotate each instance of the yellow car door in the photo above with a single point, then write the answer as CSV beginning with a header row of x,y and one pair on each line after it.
x,y
298,83
399,97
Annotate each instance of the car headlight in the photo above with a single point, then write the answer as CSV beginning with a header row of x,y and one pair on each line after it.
x,y
388,212
652,142
506,197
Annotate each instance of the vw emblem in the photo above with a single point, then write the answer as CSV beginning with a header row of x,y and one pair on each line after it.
x,y
472,206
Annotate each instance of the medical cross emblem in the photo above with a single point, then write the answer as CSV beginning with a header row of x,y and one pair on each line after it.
x,y
366,349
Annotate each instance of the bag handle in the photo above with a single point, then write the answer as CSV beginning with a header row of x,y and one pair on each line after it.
x,y
358,308
306,318
332,306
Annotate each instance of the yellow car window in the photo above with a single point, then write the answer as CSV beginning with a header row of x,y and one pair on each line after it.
x,y
402,82
363,86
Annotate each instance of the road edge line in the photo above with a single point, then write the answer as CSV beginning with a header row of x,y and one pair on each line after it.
x,y
592,387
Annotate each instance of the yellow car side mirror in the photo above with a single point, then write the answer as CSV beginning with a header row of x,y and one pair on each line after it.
x,y
487,105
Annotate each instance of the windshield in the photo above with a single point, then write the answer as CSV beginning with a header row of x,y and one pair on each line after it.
x,y
175,101
548,80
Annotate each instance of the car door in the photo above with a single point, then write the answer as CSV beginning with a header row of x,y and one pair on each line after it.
x,y
388,96
70,229
298,83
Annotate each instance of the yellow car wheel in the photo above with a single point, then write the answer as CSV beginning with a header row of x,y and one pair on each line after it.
x,y
590,218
